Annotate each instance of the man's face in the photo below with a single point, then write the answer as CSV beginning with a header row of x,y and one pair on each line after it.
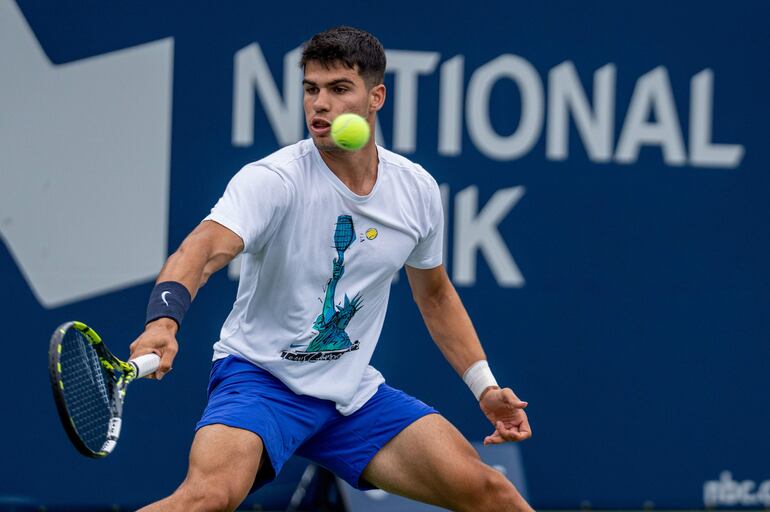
x,y
334,90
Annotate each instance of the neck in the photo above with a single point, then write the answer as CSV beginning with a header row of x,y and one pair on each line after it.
x,y
356,169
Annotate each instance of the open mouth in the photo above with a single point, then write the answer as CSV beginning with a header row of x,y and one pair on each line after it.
x,y
320,125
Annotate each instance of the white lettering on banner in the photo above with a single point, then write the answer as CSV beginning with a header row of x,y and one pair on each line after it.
x,y
565,94
729,492
652,94
477,231
407,66
478,105
702,151
450,128
285,117
567,100
445,198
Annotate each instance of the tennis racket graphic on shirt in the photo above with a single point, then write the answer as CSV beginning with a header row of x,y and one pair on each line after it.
x,y
344,235
89,386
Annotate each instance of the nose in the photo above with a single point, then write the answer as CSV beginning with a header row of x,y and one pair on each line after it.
x,y
321,101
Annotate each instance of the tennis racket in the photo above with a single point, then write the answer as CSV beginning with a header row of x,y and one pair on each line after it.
x,y
89,386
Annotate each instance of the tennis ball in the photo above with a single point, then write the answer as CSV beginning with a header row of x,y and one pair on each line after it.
x,y
350,131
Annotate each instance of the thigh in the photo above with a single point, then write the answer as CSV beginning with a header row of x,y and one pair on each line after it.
x,y
424,461
224,460
429,461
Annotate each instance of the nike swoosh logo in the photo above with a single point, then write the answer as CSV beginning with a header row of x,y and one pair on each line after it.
x,y
163,297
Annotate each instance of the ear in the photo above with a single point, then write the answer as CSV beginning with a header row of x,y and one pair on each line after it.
x,y
376,97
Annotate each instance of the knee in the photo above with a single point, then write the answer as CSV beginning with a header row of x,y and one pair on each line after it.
x,y
494,493
205,497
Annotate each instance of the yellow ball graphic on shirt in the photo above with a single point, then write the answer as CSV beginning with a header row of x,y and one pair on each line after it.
x,y
371,233
350,131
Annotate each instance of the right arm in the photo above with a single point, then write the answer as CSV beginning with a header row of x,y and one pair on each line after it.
x,y
207,249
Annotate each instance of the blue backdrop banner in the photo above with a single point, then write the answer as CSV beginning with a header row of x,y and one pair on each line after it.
x,y
604,169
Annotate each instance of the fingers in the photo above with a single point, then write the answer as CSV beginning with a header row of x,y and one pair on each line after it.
x,y
159,341
509,433
137,350
512,400
166,360
498,439
493,439
514,433
132,349
516,403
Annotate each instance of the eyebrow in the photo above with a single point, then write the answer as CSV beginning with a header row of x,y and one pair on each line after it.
x,y
332,83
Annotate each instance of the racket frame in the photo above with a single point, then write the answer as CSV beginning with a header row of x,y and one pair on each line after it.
x,y
128,371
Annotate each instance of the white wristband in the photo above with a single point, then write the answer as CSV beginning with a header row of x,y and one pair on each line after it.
x,y
479,377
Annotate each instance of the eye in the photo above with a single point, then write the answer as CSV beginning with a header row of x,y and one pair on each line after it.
x,y
309,89
340,90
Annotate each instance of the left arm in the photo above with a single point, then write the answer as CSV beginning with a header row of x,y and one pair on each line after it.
x,y
451,329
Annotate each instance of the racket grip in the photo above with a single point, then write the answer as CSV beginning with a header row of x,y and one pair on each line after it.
x,y
145,364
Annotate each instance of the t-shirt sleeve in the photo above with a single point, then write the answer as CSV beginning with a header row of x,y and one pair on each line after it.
x,y
253,204
429,251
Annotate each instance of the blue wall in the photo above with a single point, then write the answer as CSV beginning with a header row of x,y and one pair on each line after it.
x,y
638,323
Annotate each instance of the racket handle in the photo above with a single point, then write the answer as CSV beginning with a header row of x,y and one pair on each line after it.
x,y
145,364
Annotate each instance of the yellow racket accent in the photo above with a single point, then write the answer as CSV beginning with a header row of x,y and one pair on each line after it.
x,y
88,332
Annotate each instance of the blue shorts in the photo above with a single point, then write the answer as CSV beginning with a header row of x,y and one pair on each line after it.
x,y
245,396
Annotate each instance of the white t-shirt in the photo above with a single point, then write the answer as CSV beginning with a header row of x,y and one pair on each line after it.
x,y
318,264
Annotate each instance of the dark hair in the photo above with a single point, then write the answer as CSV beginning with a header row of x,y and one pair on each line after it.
x,y
350,46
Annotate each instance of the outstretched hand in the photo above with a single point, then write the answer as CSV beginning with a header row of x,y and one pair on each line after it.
x,y
506,412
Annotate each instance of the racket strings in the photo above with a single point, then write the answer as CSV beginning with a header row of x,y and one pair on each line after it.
x,y
344,233
87,389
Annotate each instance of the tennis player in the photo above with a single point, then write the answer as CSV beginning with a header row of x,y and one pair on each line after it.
x,y
322,232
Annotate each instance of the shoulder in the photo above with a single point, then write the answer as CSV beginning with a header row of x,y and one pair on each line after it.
x,y
412,173
283,165
288,159
404,167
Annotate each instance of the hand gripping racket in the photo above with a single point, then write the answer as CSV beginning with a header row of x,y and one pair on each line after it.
x,y
89,386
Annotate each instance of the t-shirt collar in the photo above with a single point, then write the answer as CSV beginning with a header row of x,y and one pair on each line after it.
x,y
337,183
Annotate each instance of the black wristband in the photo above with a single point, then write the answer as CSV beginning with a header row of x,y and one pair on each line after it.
x,y
168,299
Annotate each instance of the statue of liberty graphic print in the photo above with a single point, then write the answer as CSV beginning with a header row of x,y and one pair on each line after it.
x,y
332,341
